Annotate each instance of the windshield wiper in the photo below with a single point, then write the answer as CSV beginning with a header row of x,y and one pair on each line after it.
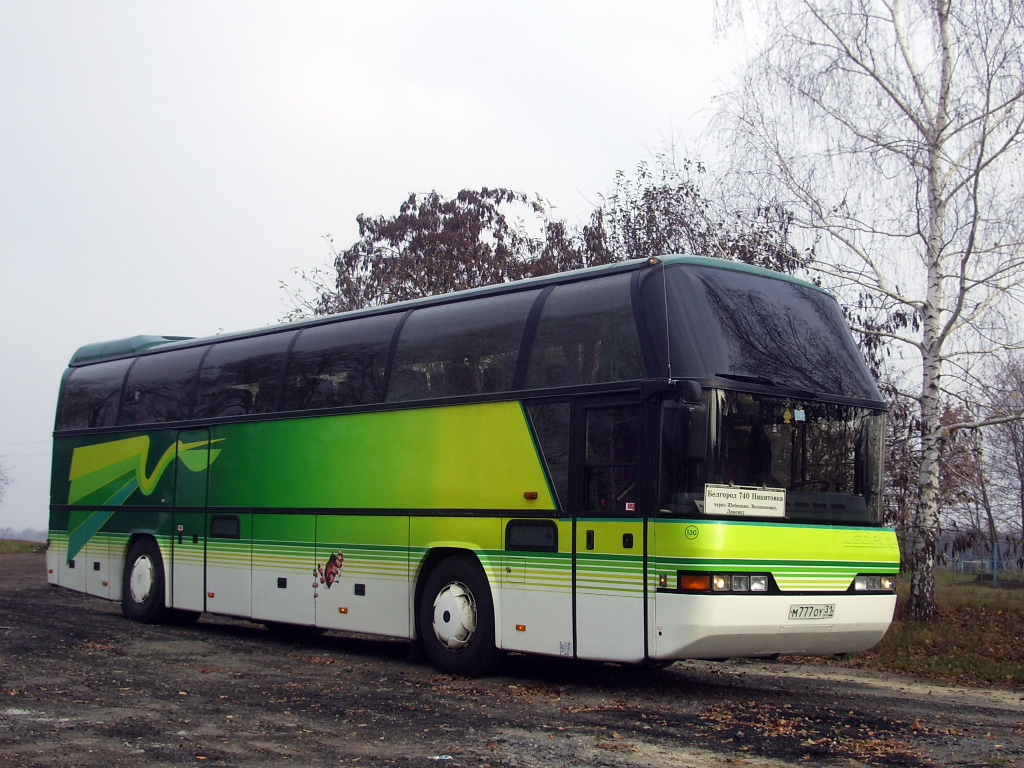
x,y
749,379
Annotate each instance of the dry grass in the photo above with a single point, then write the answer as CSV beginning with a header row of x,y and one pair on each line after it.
x,y
14,547
978,639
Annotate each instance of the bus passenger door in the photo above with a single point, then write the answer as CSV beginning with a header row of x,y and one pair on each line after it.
x,y
609,538
188,546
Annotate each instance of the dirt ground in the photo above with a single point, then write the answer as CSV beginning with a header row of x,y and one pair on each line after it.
x,y
81,686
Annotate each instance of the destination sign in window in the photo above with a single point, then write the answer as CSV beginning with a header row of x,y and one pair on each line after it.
x,y
744,501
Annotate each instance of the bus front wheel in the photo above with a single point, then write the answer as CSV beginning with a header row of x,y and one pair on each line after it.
x,y
456,618
142,585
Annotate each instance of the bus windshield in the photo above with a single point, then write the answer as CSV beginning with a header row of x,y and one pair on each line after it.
x,y
734,322
774,457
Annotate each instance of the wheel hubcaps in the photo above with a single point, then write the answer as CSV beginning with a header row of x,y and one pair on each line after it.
x,y
454,616
142,579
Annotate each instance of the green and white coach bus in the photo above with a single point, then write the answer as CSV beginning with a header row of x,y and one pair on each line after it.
x,y
653,460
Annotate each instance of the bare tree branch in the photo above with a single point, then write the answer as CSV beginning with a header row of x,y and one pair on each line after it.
x,y
894,130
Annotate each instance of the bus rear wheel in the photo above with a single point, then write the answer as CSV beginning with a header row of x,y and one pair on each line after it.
x,y
456,618
142,584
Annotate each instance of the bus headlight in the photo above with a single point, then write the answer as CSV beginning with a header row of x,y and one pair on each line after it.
x,y
736,583
870,583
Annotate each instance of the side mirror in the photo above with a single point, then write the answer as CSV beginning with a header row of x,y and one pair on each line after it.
x,y
692,392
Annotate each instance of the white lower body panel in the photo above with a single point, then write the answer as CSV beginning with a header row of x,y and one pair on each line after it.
x,y
722,626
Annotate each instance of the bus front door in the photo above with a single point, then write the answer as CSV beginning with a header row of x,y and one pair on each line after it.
x,y
609,532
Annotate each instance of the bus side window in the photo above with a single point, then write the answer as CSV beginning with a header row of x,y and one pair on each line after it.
x,y
90,395
160,386
241,376
339,364
225,527
586,335
550,423
612,448
465,348
531,536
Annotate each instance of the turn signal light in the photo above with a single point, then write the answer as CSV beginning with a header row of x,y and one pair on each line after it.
x,y
694,582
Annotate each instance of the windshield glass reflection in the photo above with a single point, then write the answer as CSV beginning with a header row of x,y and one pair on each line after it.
x,y
826,457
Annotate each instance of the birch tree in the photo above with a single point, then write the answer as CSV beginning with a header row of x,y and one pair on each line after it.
x,y
893,130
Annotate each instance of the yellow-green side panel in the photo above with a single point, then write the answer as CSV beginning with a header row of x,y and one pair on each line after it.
x,y
799,557
479,456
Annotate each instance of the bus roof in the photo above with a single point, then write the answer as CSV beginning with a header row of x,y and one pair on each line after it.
x,y
136,344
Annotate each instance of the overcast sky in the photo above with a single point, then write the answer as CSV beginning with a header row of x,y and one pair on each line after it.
x,y
164,166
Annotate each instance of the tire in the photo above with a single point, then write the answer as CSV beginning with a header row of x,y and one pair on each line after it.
x,y
456,618
142,584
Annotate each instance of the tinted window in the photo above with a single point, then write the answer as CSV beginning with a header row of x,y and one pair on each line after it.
x,y
242,376
785,332
466,348
160,387
550,423
91,394
613,445
531,536
734,323
339,364
586,335
225,527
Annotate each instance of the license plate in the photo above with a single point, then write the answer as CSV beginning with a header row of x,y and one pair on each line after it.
x,y
824,611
